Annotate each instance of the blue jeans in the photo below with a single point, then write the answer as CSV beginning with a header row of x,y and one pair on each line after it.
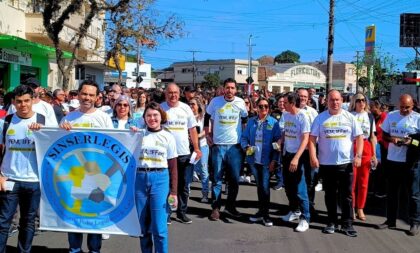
x,y
262,178
152,189
202,168
94,242
415,194
295,185
229,158
27,195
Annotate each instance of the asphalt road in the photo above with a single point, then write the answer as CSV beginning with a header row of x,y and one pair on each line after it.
x,y
239,235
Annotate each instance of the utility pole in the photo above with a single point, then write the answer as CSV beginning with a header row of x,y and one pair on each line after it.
x,y
330,46
138,66
357,70
193,65
249,79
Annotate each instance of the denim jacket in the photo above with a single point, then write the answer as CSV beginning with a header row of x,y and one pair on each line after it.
x,y
131,122
271,133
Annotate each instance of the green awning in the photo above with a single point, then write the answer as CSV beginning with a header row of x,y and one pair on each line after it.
x,y
16,43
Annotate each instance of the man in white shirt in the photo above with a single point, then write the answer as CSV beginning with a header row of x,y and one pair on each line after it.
x,y
336,129
311,175
19,181
397,127
87,116
228,116
182,124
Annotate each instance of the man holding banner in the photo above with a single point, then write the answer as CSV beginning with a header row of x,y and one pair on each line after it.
x,y
19,181
86,117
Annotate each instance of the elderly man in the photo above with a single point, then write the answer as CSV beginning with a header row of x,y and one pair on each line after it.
x,y
397,127
181,122
336,129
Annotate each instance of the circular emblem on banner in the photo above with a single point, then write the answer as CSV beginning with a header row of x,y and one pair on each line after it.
x,y
88,179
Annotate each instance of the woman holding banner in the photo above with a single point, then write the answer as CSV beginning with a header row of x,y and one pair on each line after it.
x,y
156,179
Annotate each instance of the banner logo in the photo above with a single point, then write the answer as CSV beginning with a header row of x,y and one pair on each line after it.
x,y
85,180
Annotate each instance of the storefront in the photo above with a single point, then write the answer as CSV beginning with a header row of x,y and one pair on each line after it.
x,y
20,59
289,77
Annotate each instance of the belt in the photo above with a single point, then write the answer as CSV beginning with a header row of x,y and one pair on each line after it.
x,y
150,169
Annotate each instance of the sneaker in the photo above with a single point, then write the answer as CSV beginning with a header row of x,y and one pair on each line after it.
x,y
414,230
184,219
233,212
267,222
242,179
256,218
13,230
105,236
386,224
291,216
169,220
302,226
204,199
329,229
248,179
215,214
349,231
318,187
278,187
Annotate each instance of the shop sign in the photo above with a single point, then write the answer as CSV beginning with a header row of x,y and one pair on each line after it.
x,y
12,56
305,71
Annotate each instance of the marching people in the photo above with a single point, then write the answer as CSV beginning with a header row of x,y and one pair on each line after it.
x,y
360,109
181,123
156,180
397,127
140,106
87,116
336,129
198,108
228,116
257,141
19,178
295,140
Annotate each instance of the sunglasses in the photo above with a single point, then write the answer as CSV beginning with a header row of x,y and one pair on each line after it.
x,y
263,106
122,105
359,100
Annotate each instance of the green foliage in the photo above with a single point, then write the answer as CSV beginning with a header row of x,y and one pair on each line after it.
x,y
212,80
413,65
287,57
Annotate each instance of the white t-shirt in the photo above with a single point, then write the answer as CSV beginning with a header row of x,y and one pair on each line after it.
x,y
335,137
43,108
363,119
258,142
122,123
180,120
19,162
226,116
294,128
156,149
310,112
96,119
400,126
202,141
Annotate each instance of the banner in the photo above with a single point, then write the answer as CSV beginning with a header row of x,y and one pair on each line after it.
x,y
87,180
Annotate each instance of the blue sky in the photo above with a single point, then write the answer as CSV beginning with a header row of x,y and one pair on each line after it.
x,y
220,29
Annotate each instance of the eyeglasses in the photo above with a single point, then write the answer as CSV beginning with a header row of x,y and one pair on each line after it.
x,y
405,107
123,105
263,106
359,100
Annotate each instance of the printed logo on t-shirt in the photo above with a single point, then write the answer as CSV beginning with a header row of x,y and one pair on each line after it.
x,y
227,115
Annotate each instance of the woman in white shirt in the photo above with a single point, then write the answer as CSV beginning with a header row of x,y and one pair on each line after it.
x,y
359,107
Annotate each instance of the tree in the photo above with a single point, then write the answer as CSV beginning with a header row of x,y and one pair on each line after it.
x,y
413,65
136,24
266,60
212,80
287,57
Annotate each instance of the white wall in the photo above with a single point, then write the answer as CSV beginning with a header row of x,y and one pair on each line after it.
x,y
12,20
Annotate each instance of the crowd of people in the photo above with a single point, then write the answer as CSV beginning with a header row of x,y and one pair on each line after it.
x,y
301,138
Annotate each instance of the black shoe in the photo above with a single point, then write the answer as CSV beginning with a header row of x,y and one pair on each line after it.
x,y
386,224
329,229
349,231
184,219
233,212
414,230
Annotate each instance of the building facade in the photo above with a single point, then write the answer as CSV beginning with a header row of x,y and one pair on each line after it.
x,y
228,68
145,71
289,77
22,34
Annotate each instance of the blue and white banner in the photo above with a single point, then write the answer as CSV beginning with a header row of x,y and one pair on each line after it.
x,y
87,180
